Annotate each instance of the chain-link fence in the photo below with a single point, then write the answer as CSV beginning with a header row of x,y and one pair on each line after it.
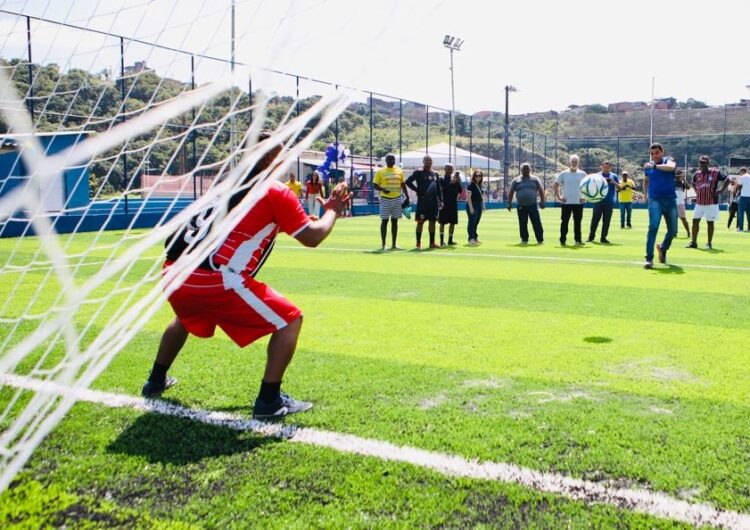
x,y
113,78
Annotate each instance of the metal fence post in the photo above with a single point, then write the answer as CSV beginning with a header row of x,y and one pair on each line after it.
x,y
471,141
400,129
122,95
31,69
450,136
427,130
371,195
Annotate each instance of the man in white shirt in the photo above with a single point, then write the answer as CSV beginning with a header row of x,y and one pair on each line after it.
x,y
681,187
568,193
743,182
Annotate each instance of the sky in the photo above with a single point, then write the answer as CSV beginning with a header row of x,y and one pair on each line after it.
x,y
555,53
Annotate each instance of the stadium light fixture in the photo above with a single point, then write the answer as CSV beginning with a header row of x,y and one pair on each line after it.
x,y
453,44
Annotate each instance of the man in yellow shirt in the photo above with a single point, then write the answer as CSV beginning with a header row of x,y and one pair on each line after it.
x,y
389,181
625,197
295,185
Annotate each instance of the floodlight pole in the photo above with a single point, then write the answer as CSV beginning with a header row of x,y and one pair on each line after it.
x,y
506,141
453,44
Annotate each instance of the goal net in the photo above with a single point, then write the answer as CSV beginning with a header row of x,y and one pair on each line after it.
x,y
108,146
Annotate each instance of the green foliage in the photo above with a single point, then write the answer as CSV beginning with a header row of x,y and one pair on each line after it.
x,y
76,99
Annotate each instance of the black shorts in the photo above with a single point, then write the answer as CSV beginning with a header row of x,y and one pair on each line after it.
x,y
427,210
448,215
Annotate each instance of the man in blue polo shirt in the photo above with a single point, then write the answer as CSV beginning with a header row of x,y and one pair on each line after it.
x,y
659,194
603,209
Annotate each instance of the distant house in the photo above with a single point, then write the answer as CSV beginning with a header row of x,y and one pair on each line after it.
x,y
743,103
137,68
486,114
665,103
625,106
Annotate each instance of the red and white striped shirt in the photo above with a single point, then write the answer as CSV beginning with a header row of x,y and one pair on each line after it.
x,y
705,185
247,247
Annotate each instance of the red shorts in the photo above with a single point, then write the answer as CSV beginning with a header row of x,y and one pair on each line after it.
x,y
246,312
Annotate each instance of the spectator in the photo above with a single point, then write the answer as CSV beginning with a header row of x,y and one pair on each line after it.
x,y
568,193
474,206
603,209
743,183
526,187
681,188
625,198
294,185
348,206
706,185
389,181
451,188
424,182
314,190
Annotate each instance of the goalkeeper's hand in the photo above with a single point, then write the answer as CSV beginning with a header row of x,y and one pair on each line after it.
x,y
338,200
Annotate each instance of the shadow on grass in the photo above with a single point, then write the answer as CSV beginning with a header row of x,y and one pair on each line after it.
x,y
669,269
597,340
181,441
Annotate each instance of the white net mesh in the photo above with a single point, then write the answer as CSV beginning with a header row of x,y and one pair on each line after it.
x,y
102,159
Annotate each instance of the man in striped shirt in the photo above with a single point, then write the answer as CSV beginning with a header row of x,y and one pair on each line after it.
x,y
706,185
222,291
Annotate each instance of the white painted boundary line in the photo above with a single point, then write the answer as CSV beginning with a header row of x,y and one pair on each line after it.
x,y
523,257
641,501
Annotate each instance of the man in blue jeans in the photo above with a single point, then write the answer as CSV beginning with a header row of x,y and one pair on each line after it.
x,y
659,195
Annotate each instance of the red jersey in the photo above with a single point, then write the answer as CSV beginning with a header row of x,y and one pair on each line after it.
x,y
250,242
705,185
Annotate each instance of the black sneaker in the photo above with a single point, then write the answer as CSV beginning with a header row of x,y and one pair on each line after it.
x,y
691,245
662,254
604,241
153,389
278,408
580,243
648,265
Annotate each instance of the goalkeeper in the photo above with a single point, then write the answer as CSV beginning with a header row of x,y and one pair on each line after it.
x,y
223,290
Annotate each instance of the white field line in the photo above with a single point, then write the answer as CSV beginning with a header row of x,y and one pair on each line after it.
x,y
16,269
522,257
641,501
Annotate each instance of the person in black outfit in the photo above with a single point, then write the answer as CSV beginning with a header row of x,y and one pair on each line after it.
x,y
429,200
474,206
451,188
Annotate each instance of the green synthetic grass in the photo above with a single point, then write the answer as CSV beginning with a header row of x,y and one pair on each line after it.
x,y
570,360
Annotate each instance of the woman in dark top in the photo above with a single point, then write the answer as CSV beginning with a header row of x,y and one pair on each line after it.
x,y
474,206
449,214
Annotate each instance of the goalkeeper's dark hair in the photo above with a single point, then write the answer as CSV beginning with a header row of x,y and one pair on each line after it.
x,y
261,165
177,242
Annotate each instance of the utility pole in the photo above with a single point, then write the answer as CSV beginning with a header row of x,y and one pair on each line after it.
x,y
506,140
